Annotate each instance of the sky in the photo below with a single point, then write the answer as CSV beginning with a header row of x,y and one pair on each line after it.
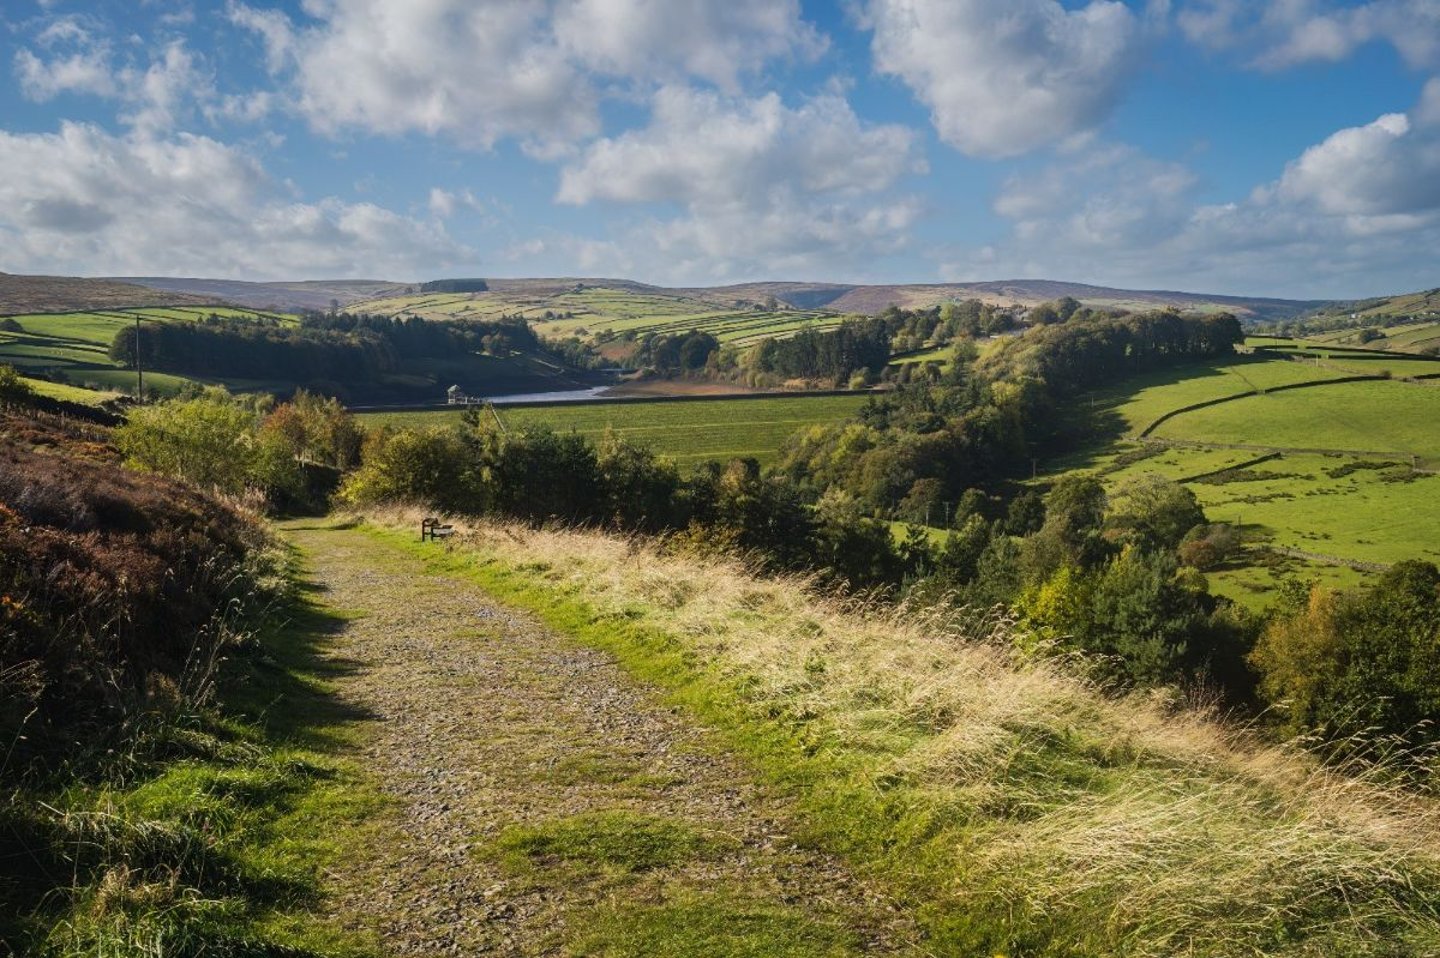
x,y
1289,148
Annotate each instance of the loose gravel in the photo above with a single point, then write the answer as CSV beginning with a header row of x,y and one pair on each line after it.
x,y
483,719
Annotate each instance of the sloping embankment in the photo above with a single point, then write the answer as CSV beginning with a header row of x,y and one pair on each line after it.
x,y
1014,807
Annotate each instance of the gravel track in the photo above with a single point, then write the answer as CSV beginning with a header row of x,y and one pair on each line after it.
x,y
483,719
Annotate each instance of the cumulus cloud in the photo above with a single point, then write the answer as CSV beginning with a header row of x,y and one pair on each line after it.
x,y
1290,32
1355,214
711,40
87,200
764,187
444,203
1108,196
1002,77
526,69
1389,167
701,148
154,93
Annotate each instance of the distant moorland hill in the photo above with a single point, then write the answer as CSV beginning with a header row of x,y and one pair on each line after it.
x,y
835,297
281,296
43,294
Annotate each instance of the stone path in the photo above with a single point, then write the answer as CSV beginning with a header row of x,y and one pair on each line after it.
x,y
485,721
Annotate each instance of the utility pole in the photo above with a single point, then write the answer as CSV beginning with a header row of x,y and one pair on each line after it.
x,y
139,371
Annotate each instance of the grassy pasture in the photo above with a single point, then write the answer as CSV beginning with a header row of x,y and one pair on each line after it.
x,y
596,310
1417,336
939,354
1394,417
1141,401
1330,506
75,346
688,432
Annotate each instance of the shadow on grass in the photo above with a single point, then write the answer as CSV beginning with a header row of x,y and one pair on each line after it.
x,y
1088,425
285,683
226,810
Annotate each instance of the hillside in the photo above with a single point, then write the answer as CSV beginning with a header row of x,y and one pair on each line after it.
x,y
44,294
1029,292
1418,306
1323,459
549,292
282,296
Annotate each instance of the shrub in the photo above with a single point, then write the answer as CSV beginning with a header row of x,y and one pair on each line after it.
x,y
412,465
1360,665
11,385
213,440
107,576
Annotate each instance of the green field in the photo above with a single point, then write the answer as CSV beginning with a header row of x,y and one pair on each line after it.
x,y
1140,402
1398,418
73,348
1337,508
939,354
688,432
592,311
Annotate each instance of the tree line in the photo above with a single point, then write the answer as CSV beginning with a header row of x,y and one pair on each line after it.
x,y
337,347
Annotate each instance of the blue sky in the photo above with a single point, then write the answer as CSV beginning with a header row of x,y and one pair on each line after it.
x,y
1289,148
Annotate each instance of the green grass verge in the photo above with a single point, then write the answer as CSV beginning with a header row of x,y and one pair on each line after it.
x,y
623,840
712,926
213,834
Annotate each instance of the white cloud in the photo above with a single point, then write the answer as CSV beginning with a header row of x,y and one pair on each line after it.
x,y
523,69
444,204
154,94
704,148
1356,214
1106,196
1386,168
157,96
1002,77
715,40
84,72
764,188
1289,32
83,200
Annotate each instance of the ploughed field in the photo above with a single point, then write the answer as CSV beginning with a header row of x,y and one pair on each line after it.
x,y
689,432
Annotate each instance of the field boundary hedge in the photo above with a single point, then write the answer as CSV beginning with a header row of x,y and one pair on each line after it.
x,y
1283,450
61,407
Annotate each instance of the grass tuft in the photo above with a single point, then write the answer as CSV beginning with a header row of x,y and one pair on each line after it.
x,y
622,840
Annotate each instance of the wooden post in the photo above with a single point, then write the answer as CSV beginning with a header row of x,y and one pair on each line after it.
x,y
139,366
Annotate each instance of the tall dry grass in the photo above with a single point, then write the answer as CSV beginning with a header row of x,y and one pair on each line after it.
x,y
1076,820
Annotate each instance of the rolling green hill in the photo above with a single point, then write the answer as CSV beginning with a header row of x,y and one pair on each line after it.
x,y
1327,477
73,347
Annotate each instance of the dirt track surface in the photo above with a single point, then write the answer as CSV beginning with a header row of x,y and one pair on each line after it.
x,y
485,720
